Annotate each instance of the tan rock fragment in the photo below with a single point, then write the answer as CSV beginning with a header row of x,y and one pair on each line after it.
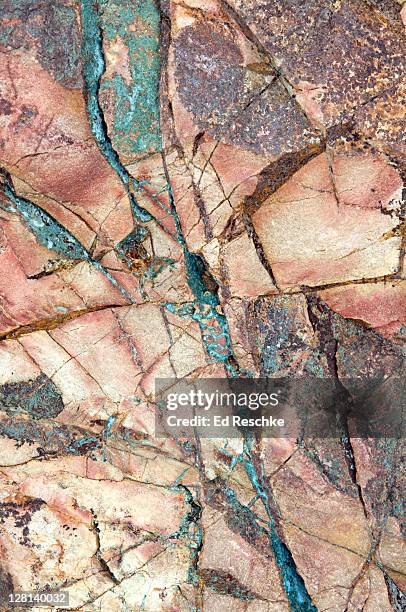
x,y
321,228
245,276
308,500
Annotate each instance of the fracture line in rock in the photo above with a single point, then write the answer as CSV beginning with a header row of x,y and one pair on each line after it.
x,y
51,234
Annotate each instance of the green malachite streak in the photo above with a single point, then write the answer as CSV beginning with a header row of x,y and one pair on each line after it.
x,y
135,101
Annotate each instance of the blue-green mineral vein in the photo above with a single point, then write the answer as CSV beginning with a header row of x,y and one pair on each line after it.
x,y
205,309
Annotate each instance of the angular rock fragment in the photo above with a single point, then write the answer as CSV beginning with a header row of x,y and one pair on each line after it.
x,y
322,227
221,82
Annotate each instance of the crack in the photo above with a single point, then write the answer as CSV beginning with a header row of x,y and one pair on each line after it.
x,y
321,320
129,340
271,178
321,539
387,278
400,165
44,133
362,572
48,324
58,267
207,160
208,313
93,69
64,205
256,96
80,364
191,528
252,531
259,249
98,554
52,323
119,581
253,39
332,176
196,142
167,114
197,194
48,152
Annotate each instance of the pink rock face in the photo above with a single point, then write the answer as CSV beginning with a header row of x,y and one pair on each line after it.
x,y
379,305
324,227
47,143
192,191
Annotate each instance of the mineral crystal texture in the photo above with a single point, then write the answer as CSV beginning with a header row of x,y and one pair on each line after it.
x,y
198,189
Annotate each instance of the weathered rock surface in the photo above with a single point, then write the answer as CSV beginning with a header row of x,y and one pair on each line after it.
x,y
203,189
332,222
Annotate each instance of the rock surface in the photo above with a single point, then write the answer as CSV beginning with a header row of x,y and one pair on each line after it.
x,y
203,189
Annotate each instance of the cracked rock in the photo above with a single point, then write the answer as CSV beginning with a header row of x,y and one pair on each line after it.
x,y
200,189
